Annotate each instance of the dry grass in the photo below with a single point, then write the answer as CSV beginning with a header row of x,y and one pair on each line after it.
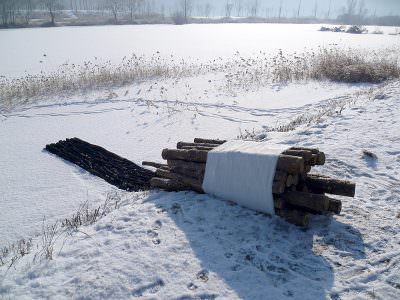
x,y
316,115
324,64
241,73
352,66
71,78
326,109
44,245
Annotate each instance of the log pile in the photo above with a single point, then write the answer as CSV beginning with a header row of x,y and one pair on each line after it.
x,y
114,169
297,193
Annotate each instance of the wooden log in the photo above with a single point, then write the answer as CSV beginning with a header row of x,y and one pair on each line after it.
x,y
194,184
279,203
314,160
331,186
187,155
305,154
296,217
192,166
292,179
195,174
335,206
318,175
167,184
209,141
280,174
196,148
315,202
278,187
312,150
153,164
114,169
290,164
302,187
321,158
179,145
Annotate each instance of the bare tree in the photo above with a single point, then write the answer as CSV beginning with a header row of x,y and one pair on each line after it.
x,y
115,6
133,6
186,8
52,6
238,7
280,9
315,11
228,8
362,11
267,12
207,10
298,9
27,9
4,7
254,8
351,7
329,9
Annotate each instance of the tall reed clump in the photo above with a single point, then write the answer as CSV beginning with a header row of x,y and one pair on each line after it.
x,y
330,63
91,75
353,66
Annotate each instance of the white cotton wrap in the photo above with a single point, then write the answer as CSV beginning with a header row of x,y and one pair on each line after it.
x,y
243,172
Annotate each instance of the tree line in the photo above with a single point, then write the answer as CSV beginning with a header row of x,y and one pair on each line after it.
x,y
14,12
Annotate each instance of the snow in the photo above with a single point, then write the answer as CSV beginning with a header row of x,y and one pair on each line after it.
x,y
184,245
195,41
187,246
253,164
35,184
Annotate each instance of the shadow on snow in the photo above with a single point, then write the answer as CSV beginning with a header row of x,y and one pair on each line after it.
x,y
257,256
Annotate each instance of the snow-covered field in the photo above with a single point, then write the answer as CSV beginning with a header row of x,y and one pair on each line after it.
x,y
22,51
183,245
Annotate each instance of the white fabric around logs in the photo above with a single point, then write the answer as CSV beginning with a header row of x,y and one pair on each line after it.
x,y
243,172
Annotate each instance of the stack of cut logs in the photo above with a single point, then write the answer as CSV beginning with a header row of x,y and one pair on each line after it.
x,y
297,194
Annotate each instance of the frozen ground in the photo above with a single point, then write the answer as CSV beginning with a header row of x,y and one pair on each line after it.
x,y
195,41
188,246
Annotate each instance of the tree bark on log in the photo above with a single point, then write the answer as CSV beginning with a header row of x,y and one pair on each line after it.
x,y
167,184
153,164
193,184
305,154
335,206
179,145
316,202
196,148
209,141
192,169
295,217
187,155
312,150
330,186
287,163
114,169
290,164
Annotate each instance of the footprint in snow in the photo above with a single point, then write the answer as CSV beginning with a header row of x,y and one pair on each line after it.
x,y
228,255
176,208
202,275
157,225
154,236
151,288
152,233
191,286
156,241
